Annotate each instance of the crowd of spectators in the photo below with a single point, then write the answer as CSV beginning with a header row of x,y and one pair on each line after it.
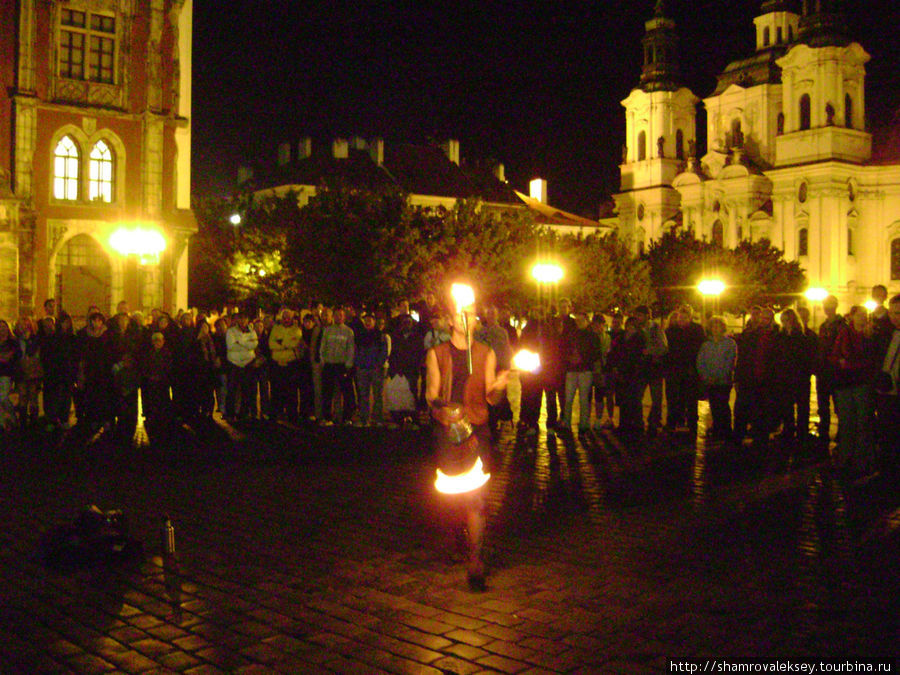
x,y
348,366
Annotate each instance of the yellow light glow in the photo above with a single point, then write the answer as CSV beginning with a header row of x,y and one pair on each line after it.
x,y
527,361
142,242
870,305
711,287
536,189
235,219
473,479
463,296
816,294
547,273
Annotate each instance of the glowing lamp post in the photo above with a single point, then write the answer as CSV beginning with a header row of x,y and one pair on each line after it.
x,y
546,274
144,243
464,297
870,305
235,219
815,294
711,288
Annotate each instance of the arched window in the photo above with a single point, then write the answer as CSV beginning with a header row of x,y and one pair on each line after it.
x,y
766,36
737,136
829,115
790,33
65,169
642,146
779,124
803,241
805,112
778,35
100,173
679,144
718,233
848,111
851,250
895,259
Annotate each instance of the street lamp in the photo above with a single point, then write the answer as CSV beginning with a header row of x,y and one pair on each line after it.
x,y
870,305
145,243
546,274
235,219
711,288
815,294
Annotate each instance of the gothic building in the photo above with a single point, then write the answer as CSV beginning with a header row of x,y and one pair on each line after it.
x,y
789,156
95,136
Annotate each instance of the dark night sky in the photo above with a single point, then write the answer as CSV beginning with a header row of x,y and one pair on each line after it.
x,y
535,85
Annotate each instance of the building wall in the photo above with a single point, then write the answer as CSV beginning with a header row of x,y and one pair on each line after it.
x,y
143,116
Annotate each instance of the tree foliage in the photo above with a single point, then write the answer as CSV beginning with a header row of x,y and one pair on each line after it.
x,y
753,272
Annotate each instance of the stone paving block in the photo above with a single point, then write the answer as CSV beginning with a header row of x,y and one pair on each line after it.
x,y
511,650
460,621
451,664
469,637
166,631
501,664
179,661
89,663
254,629
502,633
417,637
426,625
204,669
225,659
192,642
503,619
464,651
132,661
152,647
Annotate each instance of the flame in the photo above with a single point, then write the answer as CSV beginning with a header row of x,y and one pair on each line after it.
x,y
473,479
463,295
527,361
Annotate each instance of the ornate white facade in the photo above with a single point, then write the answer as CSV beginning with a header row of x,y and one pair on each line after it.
x,y
789,155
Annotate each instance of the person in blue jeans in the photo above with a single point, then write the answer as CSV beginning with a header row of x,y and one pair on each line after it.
x,y
715,365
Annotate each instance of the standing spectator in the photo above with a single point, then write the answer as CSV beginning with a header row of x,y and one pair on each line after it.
x,y
205,358
580,349
796,351
59,356
305,383
602,393
156,381
181,345
125,337
853,360
715,366
9,362
532,339
325,319
880,319
824,367
616,334
652,364
371,353
756,404
288,350
406,355
30,373
220,365
887,396
337,352
263,326
95,374
684,337
241,341
627,358
50,308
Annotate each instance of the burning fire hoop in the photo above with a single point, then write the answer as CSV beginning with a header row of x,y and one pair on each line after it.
x,y
472,479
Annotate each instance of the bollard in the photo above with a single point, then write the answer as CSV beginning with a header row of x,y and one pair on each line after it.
x,y
168,536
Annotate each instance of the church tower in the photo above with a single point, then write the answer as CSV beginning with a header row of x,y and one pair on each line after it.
x,y
824,91
660,133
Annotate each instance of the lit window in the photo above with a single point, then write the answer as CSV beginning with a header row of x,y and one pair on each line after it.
x,y
766,36
87,46
100,176
848,111
803,242
65,169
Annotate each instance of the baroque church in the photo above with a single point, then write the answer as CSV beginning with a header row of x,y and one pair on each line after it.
x,y
789,156
95,150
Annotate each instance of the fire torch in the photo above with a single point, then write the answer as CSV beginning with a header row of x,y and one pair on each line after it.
x,y
464,296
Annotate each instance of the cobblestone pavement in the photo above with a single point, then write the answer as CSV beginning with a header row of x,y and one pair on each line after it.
x,y
327,550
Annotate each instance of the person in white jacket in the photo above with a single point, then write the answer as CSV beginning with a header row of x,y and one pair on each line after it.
x,y
241,342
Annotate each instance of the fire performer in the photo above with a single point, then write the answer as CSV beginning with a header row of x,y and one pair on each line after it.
x,y
460,381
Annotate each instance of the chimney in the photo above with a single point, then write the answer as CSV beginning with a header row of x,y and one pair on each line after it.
x,y
500,172
376,150
244,173
284,154
537,189
304,148
339,148
451,147
358,143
